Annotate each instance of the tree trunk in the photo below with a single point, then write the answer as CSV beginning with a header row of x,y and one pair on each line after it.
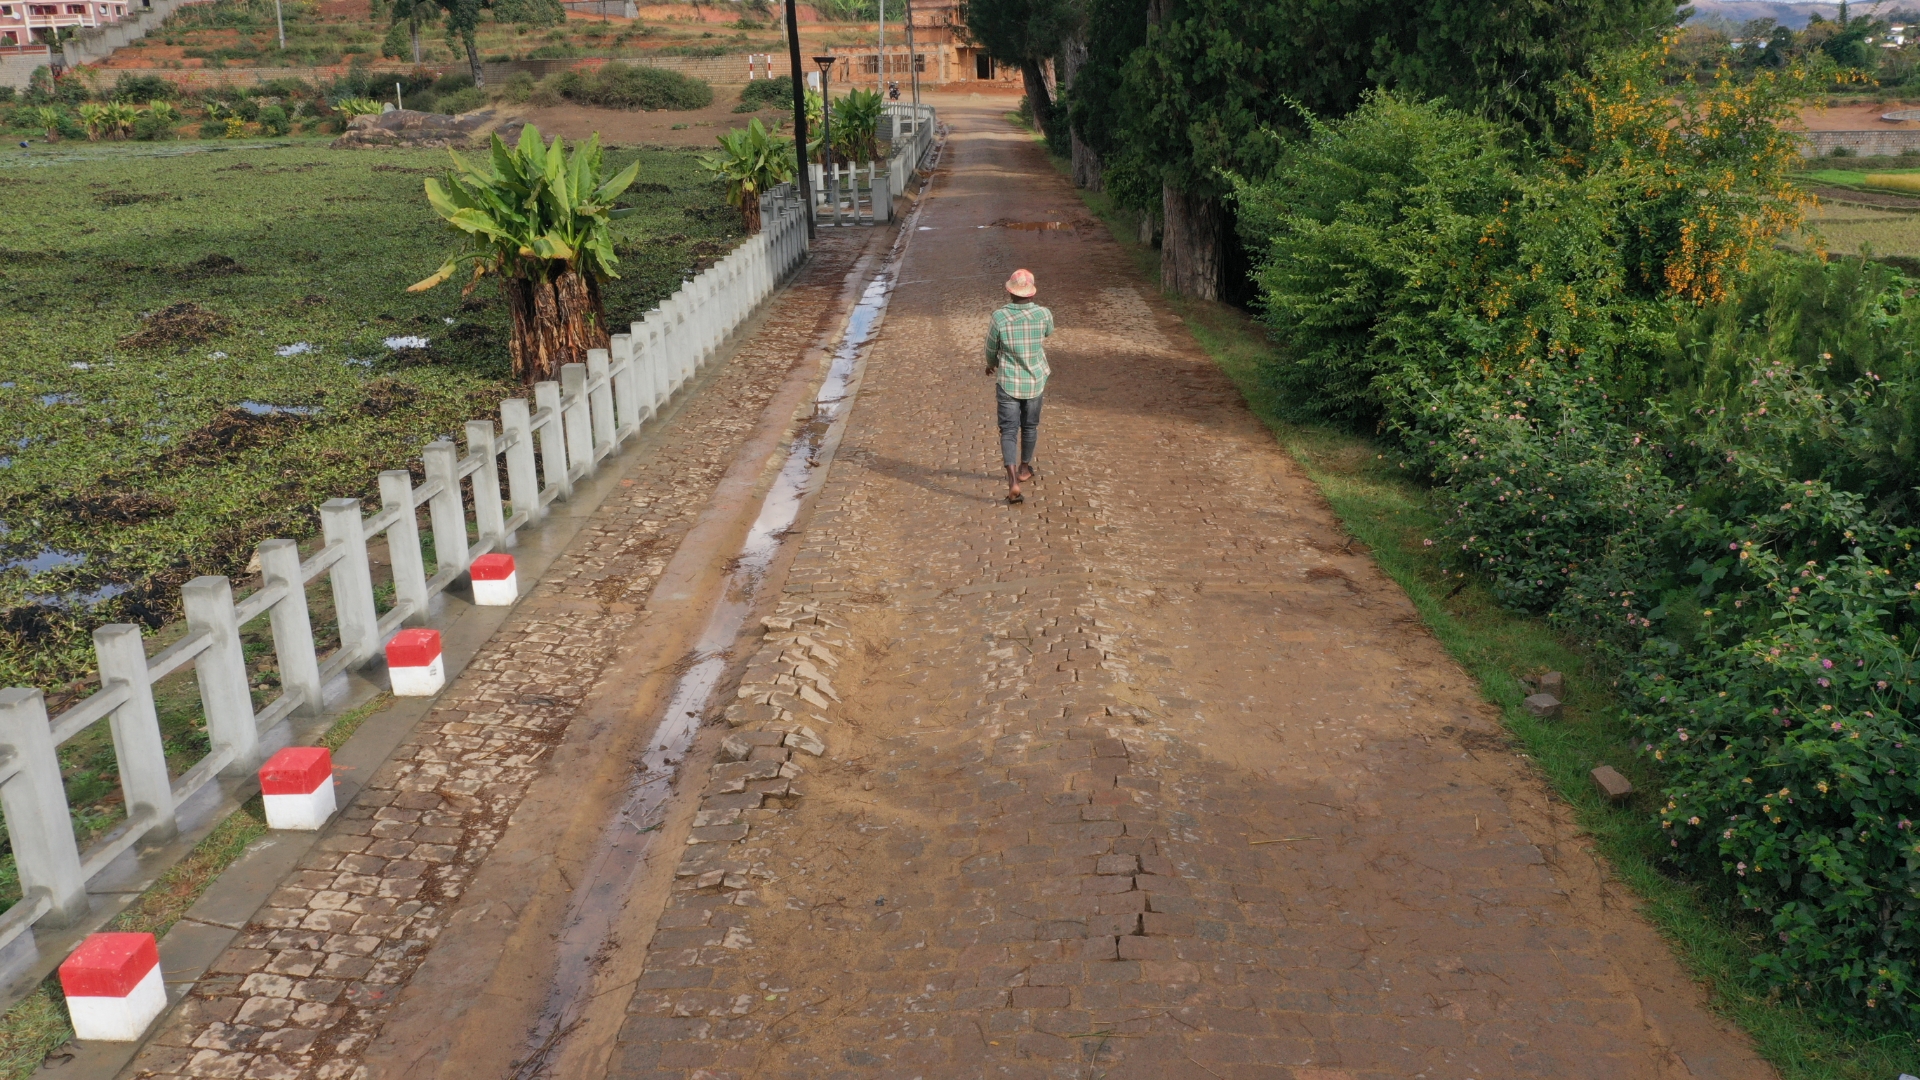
x,y
554,323
1086,165
473,57
1192,244
413,28
750,213
1037,96
1086,161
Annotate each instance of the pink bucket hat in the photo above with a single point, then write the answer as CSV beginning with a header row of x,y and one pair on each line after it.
x,y
1021,283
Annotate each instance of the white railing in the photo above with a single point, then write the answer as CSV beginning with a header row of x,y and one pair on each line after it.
x,y
851,194
573,424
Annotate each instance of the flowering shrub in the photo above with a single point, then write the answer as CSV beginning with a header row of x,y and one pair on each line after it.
x,y
1702,457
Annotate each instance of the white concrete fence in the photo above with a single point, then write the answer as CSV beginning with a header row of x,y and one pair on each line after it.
x,y
574,423
863,194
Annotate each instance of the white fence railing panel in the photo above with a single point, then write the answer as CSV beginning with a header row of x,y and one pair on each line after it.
x,y
540,449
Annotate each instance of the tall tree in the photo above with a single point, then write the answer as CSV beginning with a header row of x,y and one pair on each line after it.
x,y
1215,74
1113,29
463,22
1027,33
415,13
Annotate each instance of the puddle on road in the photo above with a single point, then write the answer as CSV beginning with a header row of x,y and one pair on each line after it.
x,y
598,902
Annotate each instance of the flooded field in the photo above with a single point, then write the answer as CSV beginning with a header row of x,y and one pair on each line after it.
x,y
204,345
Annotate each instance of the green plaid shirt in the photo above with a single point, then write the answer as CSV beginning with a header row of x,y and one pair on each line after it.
x,y
1014,337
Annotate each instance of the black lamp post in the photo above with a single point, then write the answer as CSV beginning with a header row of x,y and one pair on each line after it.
x,y
832,180
799,112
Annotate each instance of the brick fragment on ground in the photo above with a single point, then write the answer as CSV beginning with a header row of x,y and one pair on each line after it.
x,y
1611,784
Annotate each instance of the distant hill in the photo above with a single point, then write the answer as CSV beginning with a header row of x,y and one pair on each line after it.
x,y
1791,15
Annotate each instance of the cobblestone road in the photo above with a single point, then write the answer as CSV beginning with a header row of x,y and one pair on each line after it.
x,y
311,981
1149,777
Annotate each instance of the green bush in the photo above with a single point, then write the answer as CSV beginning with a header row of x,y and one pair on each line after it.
x,y
143,88
398,43
774,93
274,121
213,129
1700,456
626,86
517,87
155,124
461,100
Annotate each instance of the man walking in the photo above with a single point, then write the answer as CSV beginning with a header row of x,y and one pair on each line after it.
x,y
1015,351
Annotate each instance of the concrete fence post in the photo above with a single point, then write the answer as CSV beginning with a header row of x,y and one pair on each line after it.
x,y
683,350
39,824
578,425
403,543
446,510
138,750
669,315
708,311
659,382
883,198
351,580
553,443
646,363
489,519
292,626
523,478
225,697
627,409
600,398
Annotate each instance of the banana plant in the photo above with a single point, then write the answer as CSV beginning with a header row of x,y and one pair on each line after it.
x,y
351,107
540,221
47,118
163,114
751,161
856,125
118,117
93,117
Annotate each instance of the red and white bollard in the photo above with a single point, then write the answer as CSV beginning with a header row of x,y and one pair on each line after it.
x,y
494,582
113,987
414,665
297,786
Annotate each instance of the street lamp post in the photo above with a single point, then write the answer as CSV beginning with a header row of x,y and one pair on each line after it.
x,y
913,68
799,112
826,133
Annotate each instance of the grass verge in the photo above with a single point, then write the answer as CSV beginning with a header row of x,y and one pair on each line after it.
x,y
1392,515
36,1026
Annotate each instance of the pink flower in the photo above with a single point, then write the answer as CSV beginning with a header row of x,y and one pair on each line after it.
x,y
1828,664
1823,682
1836,725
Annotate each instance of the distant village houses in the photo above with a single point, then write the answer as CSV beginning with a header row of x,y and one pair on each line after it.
x,y
941,53
37,24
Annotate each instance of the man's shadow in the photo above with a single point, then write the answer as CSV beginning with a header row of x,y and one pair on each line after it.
x,y
938,481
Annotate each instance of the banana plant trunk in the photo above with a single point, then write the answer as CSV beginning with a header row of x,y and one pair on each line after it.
x,y
555,322
750,213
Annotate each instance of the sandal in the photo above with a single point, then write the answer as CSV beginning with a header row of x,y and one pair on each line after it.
x,y
1015,499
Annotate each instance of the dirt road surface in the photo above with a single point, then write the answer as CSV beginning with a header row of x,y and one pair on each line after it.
x,y
1151,776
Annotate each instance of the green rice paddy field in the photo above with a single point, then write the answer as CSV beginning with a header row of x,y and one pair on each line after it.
x,y
143,443
138,453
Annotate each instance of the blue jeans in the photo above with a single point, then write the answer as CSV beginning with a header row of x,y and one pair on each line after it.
x,y
1019,423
